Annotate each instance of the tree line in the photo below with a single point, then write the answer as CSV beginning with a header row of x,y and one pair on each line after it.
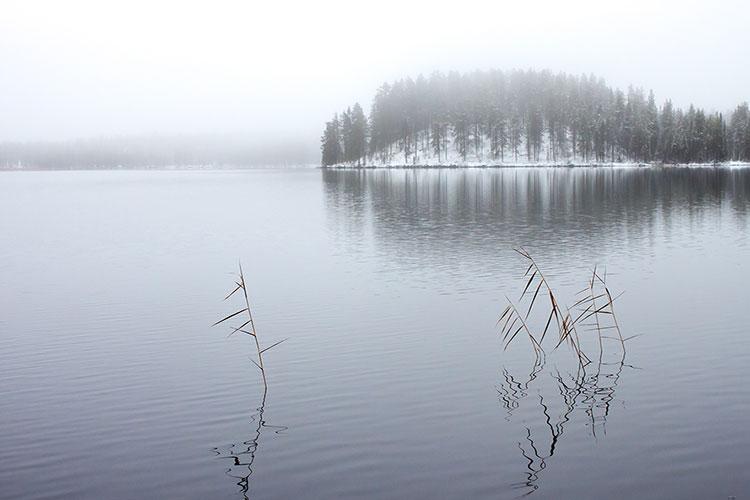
x,y
157,151
345,138
536,116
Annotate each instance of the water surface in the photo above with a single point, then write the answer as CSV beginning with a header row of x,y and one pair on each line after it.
x,y
394,382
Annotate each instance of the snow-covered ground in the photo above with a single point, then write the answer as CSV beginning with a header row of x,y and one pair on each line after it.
x,y
424,156
468,164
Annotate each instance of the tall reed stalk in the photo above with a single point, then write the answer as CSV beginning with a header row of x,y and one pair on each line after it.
x,y
249,323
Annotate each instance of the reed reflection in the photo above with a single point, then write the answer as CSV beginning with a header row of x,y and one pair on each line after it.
x,y
242,455
585,396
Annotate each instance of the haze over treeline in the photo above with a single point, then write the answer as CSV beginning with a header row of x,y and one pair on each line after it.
x,y
265,70
529,116
158,151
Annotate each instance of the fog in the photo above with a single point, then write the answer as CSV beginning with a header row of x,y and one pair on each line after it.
x,y
275,71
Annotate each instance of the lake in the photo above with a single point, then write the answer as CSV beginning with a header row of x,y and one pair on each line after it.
x,y
394,381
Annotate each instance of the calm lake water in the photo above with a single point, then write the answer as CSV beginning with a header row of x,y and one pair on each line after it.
x,y
393,383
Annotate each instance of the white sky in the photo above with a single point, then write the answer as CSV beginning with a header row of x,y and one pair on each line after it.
x,y
277,68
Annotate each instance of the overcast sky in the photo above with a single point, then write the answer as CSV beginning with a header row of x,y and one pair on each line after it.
x,y
278,69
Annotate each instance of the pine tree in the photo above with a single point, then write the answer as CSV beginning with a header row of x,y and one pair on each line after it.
x,y
652,127
716,150
347,136
667,135
358,138
332,153
739,133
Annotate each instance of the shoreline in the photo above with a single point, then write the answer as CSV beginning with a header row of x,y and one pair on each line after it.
x,y
214,168
724,165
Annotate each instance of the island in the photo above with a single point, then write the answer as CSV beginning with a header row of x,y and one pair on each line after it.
x,y
528,118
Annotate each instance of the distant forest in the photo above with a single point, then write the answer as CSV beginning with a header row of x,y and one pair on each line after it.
x,y
156,151
531,116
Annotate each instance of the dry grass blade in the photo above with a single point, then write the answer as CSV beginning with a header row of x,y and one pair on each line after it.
x,y
614,317
533,299
508,328
533,275
558,314
528,269
523,252
578,319
600,310
239,287
239,329
505,312
230,316
549,322
513,336
272,346
588,298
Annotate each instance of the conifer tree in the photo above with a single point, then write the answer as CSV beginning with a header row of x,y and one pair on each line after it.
x,y
332,153
739,133
358,135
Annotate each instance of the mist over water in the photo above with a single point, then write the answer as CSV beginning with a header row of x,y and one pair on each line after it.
x,y
82,70
150,151
159,151
394,382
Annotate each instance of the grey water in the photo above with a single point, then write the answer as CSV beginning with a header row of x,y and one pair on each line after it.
x,y
394,382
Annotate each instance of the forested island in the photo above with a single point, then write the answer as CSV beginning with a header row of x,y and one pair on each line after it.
x,y
528,117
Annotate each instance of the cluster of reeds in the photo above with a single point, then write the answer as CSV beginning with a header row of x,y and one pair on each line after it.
x,y
248,327
592,311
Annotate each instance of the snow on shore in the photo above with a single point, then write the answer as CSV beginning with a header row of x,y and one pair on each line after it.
x,y
425,157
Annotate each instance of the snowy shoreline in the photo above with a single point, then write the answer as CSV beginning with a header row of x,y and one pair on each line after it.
x,y
728,165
